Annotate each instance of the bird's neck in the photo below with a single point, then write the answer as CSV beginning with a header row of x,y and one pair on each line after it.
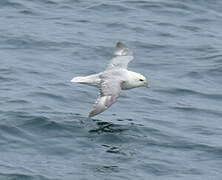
x,y
129,82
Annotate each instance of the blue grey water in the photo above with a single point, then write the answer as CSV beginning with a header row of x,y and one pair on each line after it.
x,y
172,130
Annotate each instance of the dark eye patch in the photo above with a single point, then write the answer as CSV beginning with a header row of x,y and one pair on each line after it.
x,y
141,79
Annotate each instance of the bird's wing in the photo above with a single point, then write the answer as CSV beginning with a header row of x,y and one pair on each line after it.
x,y
123,57
109,92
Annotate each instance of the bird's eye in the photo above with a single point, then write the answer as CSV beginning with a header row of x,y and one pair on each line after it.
x,y
141,79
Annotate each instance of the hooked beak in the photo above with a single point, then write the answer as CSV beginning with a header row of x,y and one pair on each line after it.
x,y
146,85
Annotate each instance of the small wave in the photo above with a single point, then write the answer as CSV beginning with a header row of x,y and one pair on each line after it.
x,y
204,48
18,101
178,91
194,75
158,169
29,42
117,25
201,20
6,71
15,137
48,95
6,79
215,72
8,3
183,92
199,110
204,130
109,7
190,28
151,47
204,148
27,12
34,122
99,168
10,176
216,57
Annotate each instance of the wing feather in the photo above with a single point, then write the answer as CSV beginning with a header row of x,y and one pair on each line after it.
x,y
123,57
109,92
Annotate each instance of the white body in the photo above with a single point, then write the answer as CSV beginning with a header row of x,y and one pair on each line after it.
x,y
129,78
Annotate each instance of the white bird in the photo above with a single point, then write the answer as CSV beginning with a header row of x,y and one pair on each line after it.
x,y
115,78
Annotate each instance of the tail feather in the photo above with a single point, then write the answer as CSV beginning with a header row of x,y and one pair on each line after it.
x,y
79,79
92,80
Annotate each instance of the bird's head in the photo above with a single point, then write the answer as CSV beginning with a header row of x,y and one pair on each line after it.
x,y
140,80
135,80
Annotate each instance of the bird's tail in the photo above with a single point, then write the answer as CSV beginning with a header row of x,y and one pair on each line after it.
x,y
92,80
79,79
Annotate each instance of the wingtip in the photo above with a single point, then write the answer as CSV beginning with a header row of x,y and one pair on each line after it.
x,y
121,49
91,114
120,45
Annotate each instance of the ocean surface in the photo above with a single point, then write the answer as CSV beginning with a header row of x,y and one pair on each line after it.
x,y
173,130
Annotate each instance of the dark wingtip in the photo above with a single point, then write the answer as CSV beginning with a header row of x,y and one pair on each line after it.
x,y
121,45
122,50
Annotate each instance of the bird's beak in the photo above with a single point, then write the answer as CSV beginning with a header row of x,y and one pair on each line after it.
x,y
146,85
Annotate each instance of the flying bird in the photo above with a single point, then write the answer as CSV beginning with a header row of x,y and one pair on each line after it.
x,y
115,78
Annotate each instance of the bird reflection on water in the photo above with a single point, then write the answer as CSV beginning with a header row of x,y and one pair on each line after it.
x,y
106,127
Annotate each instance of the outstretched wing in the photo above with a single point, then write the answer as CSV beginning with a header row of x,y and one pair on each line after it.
x,y
109,92
123,57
